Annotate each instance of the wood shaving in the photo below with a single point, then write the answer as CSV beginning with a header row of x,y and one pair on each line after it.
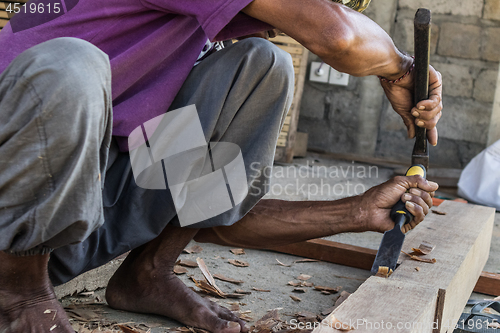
x,y
263,290
187,263
414,257
238,263
207,275
241,291
193,249
417,269
328,289
235,307
237,252
282,264
383,271
299,290
295,298
423,249
128,329
304,277
227,279
180,270
438,212
207,288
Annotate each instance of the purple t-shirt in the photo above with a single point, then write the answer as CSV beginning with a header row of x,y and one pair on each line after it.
x,y
152,44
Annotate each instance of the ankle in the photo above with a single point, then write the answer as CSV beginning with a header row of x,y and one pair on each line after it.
x,y
24,274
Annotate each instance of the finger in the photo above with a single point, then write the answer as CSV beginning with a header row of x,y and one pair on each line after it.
x,y
416,210
427,114
424,195
429,104
416,200
432,136
416,181
429,124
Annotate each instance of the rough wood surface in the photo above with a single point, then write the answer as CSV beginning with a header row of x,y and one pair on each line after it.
x,y
409,296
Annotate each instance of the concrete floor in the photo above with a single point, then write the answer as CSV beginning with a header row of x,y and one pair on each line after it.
x,y
312,178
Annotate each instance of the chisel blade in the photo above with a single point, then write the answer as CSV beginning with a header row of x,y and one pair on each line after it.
x,y
390,247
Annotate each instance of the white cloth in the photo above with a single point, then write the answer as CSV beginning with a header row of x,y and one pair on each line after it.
x,y
480,180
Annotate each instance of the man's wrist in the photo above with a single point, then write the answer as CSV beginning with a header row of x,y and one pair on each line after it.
x,y
406,66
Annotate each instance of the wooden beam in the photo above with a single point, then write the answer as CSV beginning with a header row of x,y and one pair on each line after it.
x,y
432,297
338,253
361,257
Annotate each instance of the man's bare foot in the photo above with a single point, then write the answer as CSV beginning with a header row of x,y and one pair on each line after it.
x,y
27,301
136,287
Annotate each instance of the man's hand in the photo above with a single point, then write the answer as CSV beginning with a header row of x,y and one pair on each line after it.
x,y
376,203
425,113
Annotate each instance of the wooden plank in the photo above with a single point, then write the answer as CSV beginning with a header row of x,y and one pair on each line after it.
x,y
325,250
4,15
3,23
363,310
462,238
2,5
300,147
489,283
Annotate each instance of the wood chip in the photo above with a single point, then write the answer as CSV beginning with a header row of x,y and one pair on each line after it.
x,y
305,260
238,263
324,292
383,271
235,307
328,289
423,249
414,257
299,290
304,277
438,212
263,290
227,279
295,298
241,291
180,270
207,275
282,264
187,263
237,252
193,249
207,288
343,296
417,269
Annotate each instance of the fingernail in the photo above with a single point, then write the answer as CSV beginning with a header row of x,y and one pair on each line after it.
x,y
433,184
410,204
421,107
420,123
407,196
232,324
434,144
415,114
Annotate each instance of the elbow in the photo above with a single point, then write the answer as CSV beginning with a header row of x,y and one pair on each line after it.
x,y
336,43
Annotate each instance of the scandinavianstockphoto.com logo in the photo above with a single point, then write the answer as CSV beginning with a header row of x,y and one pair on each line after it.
x,y
204,179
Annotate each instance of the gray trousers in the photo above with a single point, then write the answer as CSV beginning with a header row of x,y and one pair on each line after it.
x,y
64,186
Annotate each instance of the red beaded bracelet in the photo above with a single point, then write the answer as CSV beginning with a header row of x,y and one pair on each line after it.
x,y
402,77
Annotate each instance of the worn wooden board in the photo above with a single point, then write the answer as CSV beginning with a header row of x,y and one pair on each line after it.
x,y
365,310
462,238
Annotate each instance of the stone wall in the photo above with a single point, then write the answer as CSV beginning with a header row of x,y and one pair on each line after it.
x,y
465,48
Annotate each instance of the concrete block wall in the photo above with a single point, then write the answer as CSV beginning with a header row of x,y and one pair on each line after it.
x,y
465,48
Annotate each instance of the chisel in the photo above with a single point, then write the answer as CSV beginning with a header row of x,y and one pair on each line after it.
x,y
392,242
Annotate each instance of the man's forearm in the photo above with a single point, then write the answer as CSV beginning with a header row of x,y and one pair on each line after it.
x,y
278,222
343,38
